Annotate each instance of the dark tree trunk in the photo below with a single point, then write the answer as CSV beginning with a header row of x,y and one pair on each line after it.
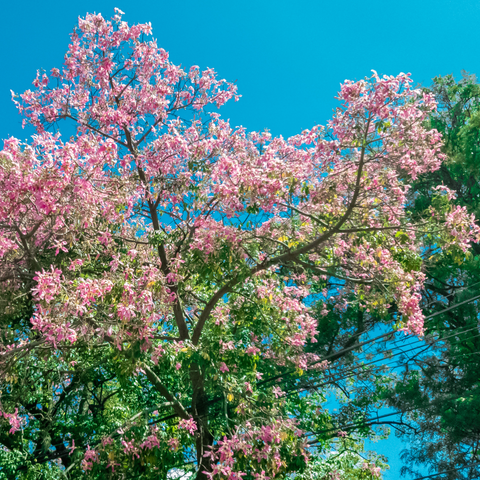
x,y
200,413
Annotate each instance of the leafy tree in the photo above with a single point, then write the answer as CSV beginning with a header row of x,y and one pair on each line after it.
x,y
161,270
440,396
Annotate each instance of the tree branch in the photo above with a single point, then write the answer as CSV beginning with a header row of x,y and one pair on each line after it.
x,y
157,383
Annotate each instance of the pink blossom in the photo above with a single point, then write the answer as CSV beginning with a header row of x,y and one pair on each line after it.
x,y
278,392
189,425
372,468
223,367
130,448
90,457
14,420
174,444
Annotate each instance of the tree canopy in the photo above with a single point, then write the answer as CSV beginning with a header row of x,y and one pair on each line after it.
x,y
440,394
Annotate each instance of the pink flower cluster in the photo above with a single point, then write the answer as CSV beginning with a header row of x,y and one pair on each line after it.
x,y
90,457
260,445
189,425
14,420
373,469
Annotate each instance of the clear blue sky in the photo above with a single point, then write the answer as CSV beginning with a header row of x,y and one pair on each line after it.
x,y
288,57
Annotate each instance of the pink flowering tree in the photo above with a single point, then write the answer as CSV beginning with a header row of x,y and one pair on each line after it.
x,y
170,268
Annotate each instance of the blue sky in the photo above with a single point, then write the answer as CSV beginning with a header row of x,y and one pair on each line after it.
x,y
288,58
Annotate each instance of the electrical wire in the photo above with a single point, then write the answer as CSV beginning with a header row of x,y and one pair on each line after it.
x,y
421,345
347,375
446,471
331,382
334,381
345,350
358,345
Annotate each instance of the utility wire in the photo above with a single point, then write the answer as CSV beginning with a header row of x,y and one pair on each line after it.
x,y
345,350
366,342
331,382
346,374
447,471
421,345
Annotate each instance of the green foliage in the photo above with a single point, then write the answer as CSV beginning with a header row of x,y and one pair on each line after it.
x,y
440,395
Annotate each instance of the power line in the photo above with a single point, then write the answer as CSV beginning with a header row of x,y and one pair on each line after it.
x,y
366,421
352,369
456,292
330,382
453,306
366,342
345,350
447,471
403,352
